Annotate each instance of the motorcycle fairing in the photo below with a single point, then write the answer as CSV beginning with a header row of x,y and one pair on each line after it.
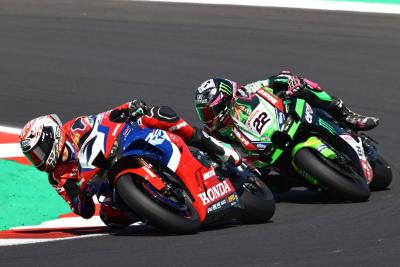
x,y
152,144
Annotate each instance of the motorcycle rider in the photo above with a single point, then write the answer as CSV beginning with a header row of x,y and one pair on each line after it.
x,y
53,148
215,104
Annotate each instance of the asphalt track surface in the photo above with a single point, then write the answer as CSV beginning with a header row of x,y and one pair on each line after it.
x,y
82,57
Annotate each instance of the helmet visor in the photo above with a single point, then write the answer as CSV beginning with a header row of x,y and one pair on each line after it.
x,y
41,151
209,113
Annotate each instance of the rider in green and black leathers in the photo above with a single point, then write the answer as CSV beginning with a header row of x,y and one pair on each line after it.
x,y
219,104
303,88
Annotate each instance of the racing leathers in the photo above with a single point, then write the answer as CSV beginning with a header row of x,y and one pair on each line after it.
x,y
286,85
66,177
283,85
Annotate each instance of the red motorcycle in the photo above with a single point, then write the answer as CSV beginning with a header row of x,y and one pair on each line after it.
x,y
152,175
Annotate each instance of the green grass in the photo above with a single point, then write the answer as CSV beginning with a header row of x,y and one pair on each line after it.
x,y
26,197
372,1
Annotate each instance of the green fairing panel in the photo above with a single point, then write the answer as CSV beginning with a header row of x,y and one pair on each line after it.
x,y
322,95
316,144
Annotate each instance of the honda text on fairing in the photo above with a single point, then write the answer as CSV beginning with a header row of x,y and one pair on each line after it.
x,y
308,147
151,175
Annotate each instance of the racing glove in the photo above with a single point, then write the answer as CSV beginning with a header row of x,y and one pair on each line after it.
x,y
296,84
136,109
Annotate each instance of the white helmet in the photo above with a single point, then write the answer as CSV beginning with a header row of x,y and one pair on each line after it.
x,y
42,141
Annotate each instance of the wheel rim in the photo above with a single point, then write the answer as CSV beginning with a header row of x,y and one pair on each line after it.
x,y
175,201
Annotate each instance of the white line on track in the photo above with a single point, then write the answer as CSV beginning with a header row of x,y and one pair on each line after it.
x,y
11,130
23,241
10,151
302,4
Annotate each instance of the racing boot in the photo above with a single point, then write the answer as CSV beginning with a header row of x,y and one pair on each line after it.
x,y
353,120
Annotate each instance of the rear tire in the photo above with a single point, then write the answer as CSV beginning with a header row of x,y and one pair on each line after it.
x,y
382,174
344,185
147,208
258,201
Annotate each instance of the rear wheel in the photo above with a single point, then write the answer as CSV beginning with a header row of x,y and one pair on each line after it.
x,y
382,174
344,183
258,201
172,212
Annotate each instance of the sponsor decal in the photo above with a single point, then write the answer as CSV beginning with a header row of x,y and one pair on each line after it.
x,y
203,101
281,118
321,147
347,138
241,92
267,96
214,192
229,201
177,127
116,129
232,198
216,206
225,88
253,87
156,137
308,116
206,85
359,151
208,174
58,132
25,144
126,132
261,146
74,172
241,138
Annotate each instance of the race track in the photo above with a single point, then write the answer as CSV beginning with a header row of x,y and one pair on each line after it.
x,y
76,57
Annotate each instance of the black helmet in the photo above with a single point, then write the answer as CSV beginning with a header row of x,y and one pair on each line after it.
x,y
212,101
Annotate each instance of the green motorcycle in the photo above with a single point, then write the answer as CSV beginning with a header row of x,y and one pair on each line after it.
x,y
307,147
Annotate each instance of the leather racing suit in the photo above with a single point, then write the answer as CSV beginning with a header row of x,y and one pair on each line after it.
x,y
66,175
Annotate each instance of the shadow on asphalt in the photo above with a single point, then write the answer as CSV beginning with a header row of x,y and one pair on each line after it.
x,y
304,196
147,230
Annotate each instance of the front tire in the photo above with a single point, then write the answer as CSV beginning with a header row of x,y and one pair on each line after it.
x,y
130,189
345,185
258,201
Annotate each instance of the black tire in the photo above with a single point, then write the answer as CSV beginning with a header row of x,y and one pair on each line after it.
x,y
147,208
382,174
258,201
342,184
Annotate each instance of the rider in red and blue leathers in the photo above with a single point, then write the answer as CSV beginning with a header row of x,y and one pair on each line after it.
x,y
54,149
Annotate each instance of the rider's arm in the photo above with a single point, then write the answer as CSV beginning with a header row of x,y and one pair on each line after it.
x,y
166,119
80,203
289,85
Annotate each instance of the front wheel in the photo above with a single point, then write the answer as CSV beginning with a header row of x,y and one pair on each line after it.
x,y
345,184
173,213
258,201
